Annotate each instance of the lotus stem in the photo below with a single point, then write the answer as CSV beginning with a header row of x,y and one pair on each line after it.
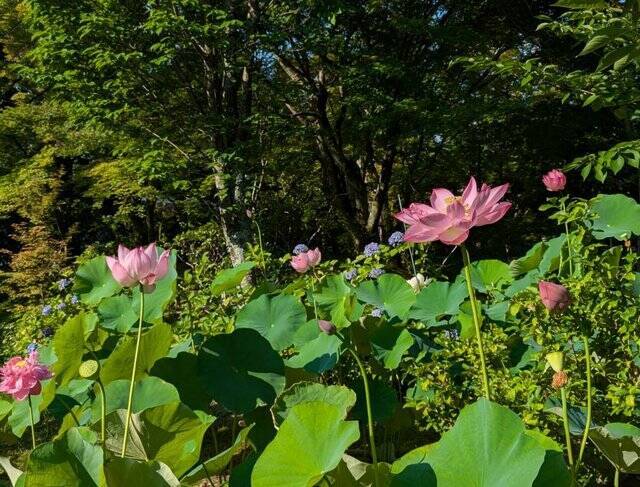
x,y
567,433
616,478
262,261
133,375
103,406
587,426
566,231
33,428
367,397
476,321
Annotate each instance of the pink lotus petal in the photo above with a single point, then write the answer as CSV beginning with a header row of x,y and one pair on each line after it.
x,y
162,267
300,262
470,193
122,252
119,273
440,198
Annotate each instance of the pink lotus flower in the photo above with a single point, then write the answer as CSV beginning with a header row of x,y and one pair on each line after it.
x,y
306,260
555,297
554,180
449,218
140,265
21,376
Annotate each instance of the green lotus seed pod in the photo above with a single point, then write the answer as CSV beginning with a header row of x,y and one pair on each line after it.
x,y
88,369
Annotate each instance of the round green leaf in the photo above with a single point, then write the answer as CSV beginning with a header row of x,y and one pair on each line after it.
x,y
309,444
182,372
117,313
275,318
389,292
389,343
69,346
240,370
337,299
615,216
94,281
304,392
437,300
230,278
620,443
317,355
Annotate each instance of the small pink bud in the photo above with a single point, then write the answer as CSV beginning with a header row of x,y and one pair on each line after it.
x,y
555,297
326,327
554,180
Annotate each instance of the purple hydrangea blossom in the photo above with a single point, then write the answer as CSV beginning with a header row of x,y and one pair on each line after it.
x,y
371,249
300,249
377,312
46,310
396,238
74,299
452,334
32,347
351,274
61,306
63,283
375,273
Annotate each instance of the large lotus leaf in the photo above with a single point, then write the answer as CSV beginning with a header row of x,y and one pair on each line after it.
x,y
275,318
156,302
437,300
217,464
519,285
230,278
413,469
620,443
69,346
182,372
148,393
554,470
94,281
154,344
71,460
303,392
529,262
117,313
317,355
241,370
551,259
338,299
351,472
171,434
309,444
383,401
488,447
389,343
140,473
615,216
489,274
389,292
241,475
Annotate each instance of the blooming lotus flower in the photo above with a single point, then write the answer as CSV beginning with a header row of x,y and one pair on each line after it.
x,y
306,260
555,297
139,266
326,327
554,180
449,218
21,377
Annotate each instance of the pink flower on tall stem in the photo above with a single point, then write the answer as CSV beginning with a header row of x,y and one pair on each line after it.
x,y
22,376
449,218
139,266
306,260
554,180
555,297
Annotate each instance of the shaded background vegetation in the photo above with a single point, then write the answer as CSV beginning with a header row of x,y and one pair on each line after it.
x,y
189,122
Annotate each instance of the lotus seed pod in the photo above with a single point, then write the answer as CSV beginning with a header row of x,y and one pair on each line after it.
x,y
88,369
559,380
555,360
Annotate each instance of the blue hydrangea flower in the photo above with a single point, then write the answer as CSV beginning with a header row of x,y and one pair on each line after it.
x,y
46,310
61,306
350,275
63,283
47,332
300,249
371,249
396,238
452,334
375,273
377,313
32,347
74,299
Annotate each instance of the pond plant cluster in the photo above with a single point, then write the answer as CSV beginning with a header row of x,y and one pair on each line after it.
x,y
340,374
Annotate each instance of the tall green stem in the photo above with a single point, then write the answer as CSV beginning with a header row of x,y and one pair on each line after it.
x,y
367,398
616,478
133,375
587,426
476,321
33,428
565,420
103,406
262,262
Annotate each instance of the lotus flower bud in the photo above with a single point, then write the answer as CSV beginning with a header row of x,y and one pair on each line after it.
x,y
554,296
554,180
327,327
417,282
